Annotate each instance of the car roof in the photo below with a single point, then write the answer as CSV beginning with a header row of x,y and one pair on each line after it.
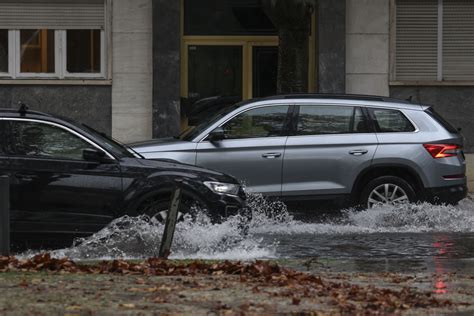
x,y
17,112
337,99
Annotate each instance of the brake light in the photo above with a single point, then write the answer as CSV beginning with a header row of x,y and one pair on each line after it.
x,y
442,150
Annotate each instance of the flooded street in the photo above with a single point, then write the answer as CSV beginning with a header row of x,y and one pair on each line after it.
x,y
421,232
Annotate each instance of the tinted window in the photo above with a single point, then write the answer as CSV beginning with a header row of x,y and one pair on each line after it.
x,y
318,120
261,122
391,121
34,139
442,121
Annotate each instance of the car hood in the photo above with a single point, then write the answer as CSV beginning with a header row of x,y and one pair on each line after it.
x,y
178,169
162,144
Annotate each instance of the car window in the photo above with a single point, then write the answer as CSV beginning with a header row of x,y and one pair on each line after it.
x,y
387,121
317,120
361,123
262,122
34,139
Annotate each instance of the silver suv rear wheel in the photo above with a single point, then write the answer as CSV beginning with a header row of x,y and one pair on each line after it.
x,y
387,190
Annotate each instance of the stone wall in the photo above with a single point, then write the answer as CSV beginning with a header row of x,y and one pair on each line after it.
x,y
367,47
132,72
166,67
331,46
86,104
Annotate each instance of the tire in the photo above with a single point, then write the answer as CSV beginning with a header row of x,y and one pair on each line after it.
x,y
157,206
387,190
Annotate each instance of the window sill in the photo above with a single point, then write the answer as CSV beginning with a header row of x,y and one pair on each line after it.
x,y
431,83
76,82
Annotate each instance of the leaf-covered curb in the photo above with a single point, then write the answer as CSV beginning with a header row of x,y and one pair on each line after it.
x,y
262,276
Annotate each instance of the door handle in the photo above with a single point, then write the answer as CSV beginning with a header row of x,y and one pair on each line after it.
x,y
271,155
358,152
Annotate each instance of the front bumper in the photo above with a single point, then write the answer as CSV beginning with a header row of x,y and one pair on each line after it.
x,y
446,195
222,205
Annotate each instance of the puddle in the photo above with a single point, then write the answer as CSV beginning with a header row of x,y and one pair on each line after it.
x,y
410,232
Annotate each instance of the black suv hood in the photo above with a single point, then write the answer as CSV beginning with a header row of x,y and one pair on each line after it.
x,y
163,166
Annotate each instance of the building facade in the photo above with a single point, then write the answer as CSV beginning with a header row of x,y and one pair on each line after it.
x,y
134,68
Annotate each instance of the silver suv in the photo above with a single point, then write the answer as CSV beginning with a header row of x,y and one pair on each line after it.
x,y
367,150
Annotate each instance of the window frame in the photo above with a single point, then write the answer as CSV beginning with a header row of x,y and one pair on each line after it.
x,y
60,50
61,76
392,54
11,44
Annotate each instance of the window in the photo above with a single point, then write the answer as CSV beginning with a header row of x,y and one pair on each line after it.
x,y
40,140
320,120
37,51
261,122
3,51
434,40
83,51
66,40
391,121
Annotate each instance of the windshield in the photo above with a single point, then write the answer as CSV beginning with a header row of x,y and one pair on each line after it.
x,y
116,148
112,145
193,131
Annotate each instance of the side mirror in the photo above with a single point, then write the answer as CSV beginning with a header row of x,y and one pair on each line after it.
x,y
216,135
95,155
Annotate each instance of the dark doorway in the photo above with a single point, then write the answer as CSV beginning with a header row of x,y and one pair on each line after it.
x,y
264,74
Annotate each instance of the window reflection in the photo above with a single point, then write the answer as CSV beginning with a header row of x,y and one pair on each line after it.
x,y
41,140
37,51
317,120
263,122
392,121
3,50
83,51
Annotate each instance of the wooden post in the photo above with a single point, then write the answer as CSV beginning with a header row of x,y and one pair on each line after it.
x,y
170,224
4,216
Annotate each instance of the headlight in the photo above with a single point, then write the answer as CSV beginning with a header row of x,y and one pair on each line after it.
x,y
223,188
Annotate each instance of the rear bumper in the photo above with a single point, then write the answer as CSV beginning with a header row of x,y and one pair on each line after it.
x,y
447,195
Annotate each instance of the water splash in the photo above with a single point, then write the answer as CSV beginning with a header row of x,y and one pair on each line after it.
x,y
140,237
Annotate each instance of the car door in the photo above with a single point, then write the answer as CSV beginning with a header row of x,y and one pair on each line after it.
x,y
54,190
330,147
252,149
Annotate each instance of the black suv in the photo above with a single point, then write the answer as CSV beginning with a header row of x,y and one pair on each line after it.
x,y
68,180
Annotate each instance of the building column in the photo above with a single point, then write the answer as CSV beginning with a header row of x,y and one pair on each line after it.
x,y
166,68
331,46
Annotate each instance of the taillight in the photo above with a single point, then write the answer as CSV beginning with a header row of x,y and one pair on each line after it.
x,y
442,150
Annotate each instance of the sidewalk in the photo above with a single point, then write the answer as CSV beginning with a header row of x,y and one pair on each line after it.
x,y
47,286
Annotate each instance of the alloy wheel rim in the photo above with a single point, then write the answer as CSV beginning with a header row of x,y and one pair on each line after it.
x,y
387,194
162,215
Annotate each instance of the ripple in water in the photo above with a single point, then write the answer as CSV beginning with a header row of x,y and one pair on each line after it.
x,y
140,237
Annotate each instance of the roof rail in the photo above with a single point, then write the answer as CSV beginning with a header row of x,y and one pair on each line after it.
x,y
361,97
23,110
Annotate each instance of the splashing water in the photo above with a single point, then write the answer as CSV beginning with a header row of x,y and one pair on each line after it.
x,y
140,237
